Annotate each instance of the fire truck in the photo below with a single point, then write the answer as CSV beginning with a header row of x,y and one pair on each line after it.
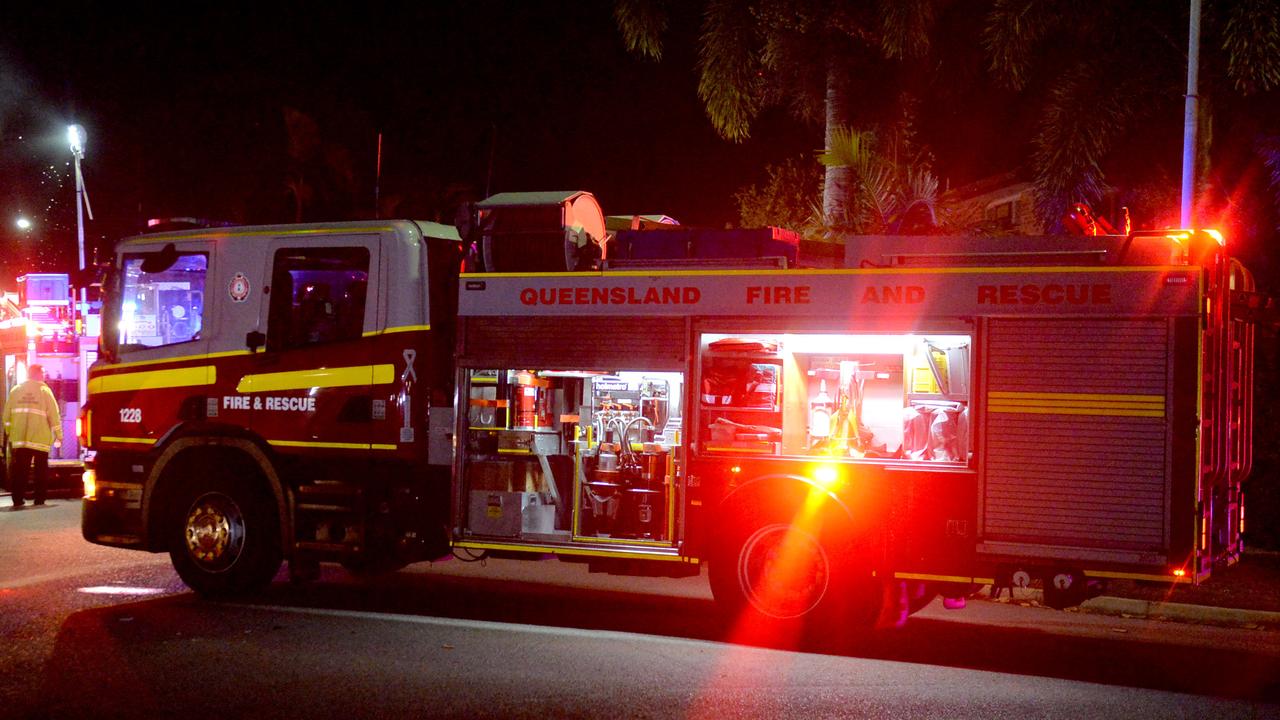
x,y
838,446
45,327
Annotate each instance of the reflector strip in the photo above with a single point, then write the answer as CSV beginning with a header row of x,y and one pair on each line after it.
x,y
1169,579
180,359
559,550
399,329
154,379
1148,577
810,272
267,233
318,378
330,445
136,441
1076,404
744,451
945,578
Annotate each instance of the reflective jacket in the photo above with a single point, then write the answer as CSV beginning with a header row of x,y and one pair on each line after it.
x,y
31,418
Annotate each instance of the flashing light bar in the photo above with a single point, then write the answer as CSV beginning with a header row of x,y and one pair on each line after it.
x,y
1183,237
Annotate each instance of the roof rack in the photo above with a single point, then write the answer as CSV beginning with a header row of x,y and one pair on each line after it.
x,y
906,258
775,262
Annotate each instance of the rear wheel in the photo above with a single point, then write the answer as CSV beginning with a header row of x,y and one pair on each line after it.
x,y
225,538
793,579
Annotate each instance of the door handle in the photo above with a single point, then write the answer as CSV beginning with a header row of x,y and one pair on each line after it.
x,y
357,409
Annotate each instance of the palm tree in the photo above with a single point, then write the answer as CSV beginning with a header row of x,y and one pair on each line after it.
x,y
891,189
754,54
1106,73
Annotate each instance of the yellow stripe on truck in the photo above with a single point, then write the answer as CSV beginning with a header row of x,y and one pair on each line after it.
x,y
318,378
127,440
1118,405
331,445
154,379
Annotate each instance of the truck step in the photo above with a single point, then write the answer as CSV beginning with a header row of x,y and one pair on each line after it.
x,y
325,547
320,507
331,487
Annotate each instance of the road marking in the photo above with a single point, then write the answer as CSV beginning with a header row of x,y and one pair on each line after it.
x,y
119,590
480,625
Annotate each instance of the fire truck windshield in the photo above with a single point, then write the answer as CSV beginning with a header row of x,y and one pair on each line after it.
x,y
150,309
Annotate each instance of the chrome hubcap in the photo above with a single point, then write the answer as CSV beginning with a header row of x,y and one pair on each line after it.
x,y
214,532
783,571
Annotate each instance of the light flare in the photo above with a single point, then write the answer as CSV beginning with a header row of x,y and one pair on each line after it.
x,y
740,664
119,590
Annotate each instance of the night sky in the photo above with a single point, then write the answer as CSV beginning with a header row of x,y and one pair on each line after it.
x,y
186,108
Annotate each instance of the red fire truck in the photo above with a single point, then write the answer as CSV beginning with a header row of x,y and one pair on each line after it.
x,y
837,445
47,330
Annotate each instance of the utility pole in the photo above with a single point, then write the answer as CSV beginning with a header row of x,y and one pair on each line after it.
x,y
1190,119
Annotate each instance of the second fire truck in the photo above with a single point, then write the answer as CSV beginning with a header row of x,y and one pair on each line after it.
x,y
836,445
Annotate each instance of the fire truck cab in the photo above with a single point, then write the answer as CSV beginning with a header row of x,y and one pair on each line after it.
x,y
270,392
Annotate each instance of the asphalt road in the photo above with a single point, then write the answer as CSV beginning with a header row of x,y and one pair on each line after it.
x,y
96,632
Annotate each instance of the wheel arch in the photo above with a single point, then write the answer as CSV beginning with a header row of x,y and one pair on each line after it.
x,y
830,523
159,484
773,491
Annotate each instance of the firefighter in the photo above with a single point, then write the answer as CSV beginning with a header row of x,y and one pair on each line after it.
x,y
33,426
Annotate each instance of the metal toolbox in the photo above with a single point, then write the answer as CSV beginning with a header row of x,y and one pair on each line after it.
x,y
508,514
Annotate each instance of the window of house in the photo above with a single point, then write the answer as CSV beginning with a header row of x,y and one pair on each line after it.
x,y
1001,214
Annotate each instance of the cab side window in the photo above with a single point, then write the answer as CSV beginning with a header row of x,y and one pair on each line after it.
x,y
317,296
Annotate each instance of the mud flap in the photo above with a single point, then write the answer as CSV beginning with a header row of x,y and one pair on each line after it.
x,y
895,605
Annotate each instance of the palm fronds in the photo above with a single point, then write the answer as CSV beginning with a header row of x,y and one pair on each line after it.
x,y
731,78
881,189
642,23
1014,30
905,28
1251,40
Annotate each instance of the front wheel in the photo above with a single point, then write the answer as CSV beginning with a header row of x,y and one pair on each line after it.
x,y
225,537
793,579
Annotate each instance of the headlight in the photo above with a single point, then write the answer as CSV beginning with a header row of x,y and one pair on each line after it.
x,y
90,480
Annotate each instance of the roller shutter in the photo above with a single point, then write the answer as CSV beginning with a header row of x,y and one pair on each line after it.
x,y
614,343
1076,448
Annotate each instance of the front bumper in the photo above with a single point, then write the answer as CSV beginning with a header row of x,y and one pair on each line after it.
x,y
113,518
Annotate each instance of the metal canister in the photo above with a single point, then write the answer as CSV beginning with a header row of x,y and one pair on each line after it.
x,y
649,494
653,467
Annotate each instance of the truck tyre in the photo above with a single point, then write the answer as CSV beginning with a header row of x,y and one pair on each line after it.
x,y
225,536
798,580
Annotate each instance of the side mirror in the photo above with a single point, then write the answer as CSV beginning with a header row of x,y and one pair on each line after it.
x,y
254,340
161,260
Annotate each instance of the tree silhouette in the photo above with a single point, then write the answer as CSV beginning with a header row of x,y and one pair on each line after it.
x,y
1106,72
801,54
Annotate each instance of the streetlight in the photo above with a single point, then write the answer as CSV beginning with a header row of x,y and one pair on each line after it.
x,y
22,223
76,139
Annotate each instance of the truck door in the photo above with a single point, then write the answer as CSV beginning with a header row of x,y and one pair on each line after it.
x,y
311,390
